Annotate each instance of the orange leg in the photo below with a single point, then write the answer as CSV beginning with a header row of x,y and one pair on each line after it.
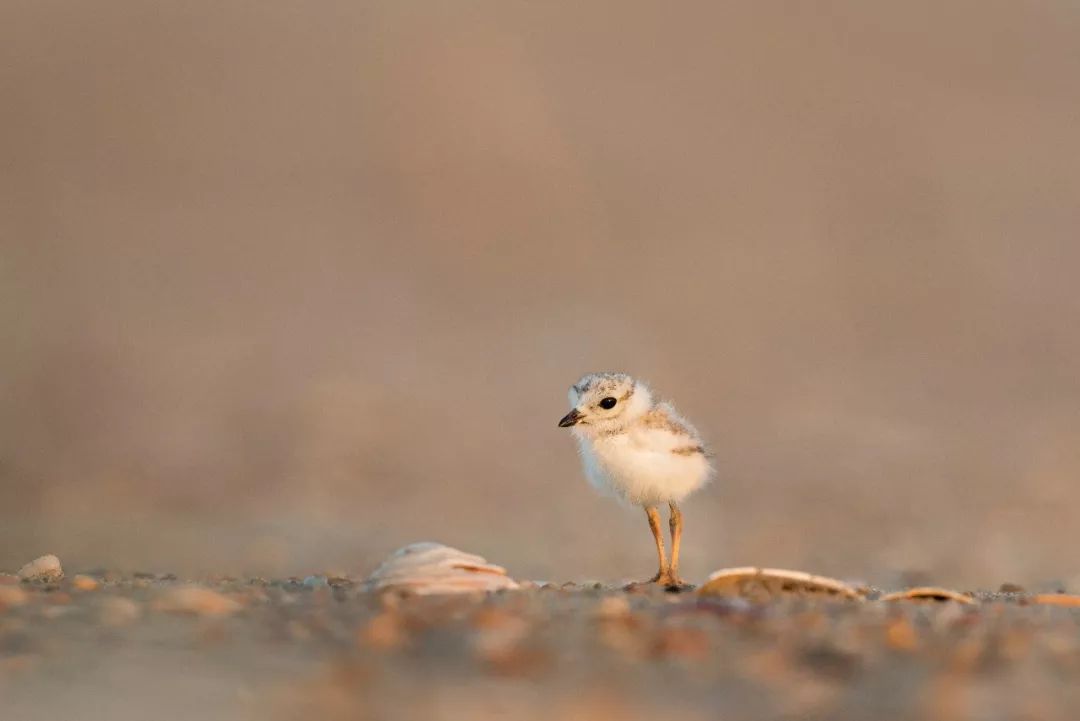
x,y
658,536
675,522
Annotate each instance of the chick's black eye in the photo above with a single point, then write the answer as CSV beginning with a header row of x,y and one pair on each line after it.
x,y
608,403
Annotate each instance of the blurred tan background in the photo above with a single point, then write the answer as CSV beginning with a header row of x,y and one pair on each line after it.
x,y
287,285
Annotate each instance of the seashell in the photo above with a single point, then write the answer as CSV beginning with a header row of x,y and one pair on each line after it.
x,y
928,593
765,583
44,568
432,568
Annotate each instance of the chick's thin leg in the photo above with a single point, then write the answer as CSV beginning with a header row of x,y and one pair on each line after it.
x,y
675,522
658,535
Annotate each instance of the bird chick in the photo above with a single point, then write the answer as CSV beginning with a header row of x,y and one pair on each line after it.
x,y
639,450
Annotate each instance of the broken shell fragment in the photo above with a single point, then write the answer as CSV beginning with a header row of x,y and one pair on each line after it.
x,y
762,584
1054,599
928,593
432,568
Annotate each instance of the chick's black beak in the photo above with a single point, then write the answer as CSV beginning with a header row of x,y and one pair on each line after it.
x,y
570,419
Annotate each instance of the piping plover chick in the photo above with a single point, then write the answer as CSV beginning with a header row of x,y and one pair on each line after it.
x,y
640,451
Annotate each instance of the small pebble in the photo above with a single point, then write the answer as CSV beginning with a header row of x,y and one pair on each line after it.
x,y
316,582
196,601
53,611
901,635
385,631
119,611
612,607
500,643
11,596
687,643
84,583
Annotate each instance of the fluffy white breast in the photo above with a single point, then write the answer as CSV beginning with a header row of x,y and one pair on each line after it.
x,y
644,465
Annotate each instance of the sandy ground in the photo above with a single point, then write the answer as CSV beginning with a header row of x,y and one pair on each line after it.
x,y
106,646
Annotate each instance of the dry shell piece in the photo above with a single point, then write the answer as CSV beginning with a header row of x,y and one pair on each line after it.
x,y
1054,599
432,568
44,568
928,593
762,584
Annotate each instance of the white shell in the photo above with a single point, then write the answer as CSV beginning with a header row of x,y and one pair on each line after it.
x,y
928,593
45,568
431,568
764,583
